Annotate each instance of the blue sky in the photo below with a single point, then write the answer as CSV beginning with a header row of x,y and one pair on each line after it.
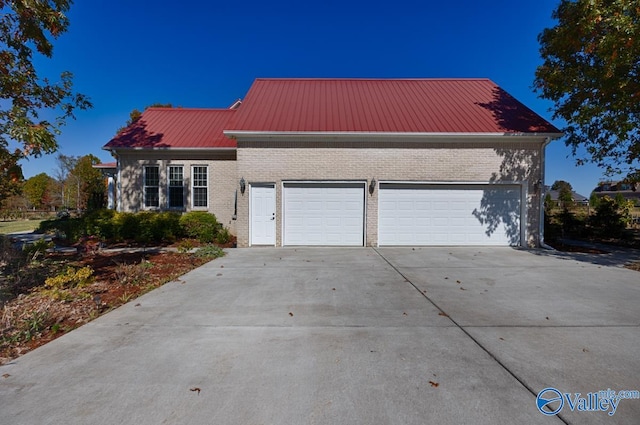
x,y
127,55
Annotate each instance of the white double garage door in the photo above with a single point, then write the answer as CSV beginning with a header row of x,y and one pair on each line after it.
x,y
409,214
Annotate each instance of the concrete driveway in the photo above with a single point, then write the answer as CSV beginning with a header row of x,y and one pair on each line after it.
x,y
347,336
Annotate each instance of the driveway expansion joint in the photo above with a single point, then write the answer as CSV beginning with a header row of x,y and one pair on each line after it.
x,y
462,328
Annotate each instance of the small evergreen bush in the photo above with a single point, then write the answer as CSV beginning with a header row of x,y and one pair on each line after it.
x,y
200,225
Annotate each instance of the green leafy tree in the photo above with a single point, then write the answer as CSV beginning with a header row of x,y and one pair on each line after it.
x,y
565,192
135,114
560,185
90,183
594,200
611,217
36,190
548,203
65,189
591,71
28,27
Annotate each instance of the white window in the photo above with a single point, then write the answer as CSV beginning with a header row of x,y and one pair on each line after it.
x,y
199,186
176,186
151,186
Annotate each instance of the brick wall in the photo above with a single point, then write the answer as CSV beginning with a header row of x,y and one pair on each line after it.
x,y
221,185
435,162
275,162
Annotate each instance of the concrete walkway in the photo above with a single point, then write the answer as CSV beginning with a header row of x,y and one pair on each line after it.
x,y
346,336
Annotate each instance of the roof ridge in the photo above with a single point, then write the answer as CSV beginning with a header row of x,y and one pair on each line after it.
x,y
372,79
180,108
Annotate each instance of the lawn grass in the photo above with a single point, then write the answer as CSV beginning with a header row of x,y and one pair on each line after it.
x,y
18,226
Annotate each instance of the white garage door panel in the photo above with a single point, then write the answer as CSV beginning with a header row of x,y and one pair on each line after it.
x,y
420,214
324,214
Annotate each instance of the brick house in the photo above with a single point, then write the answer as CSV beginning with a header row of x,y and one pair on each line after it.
x,y
359,162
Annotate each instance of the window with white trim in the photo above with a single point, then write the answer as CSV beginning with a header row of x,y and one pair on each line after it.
x,y
151,186
176,186
199,186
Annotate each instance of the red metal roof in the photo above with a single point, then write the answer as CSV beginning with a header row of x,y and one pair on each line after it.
x,y
106,165
387,106
176,128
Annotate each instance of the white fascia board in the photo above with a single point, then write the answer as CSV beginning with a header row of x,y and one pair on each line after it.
x,y
342,135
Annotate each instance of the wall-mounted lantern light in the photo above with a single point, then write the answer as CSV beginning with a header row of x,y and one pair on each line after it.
x,y
537,186
372,186
243,185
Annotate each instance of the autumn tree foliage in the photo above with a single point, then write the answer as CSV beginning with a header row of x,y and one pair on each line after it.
x,y
27,28
591,71
37,190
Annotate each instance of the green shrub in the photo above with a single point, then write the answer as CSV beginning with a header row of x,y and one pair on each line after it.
x,y
185,246
143,227
223,236
611,217
100,223
133,274
157,227
209,251
70,229
200,225
37,248
125,226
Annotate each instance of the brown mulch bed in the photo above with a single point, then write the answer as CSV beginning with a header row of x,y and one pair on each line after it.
x,y
35,318
560,246
633,266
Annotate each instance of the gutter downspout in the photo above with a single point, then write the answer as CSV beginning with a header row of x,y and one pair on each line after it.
x,y
547,140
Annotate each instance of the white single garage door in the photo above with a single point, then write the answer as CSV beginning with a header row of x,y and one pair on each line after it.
x,y
323,214
427,214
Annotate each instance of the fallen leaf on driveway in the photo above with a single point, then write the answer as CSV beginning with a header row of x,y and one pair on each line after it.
x,y
462,289
6,375
291,314
584,350
434,384
442,313
195,389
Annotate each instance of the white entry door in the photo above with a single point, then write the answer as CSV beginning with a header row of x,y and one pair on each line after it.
x,y
263,214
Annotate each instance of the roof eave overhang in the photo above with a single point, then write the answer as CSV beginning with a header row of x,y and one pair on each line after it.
x,y
168,148
384,136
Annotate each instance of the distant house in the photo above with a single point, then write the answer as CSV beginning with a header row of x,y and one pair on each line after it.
x,y
357,162
575,197
613,188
